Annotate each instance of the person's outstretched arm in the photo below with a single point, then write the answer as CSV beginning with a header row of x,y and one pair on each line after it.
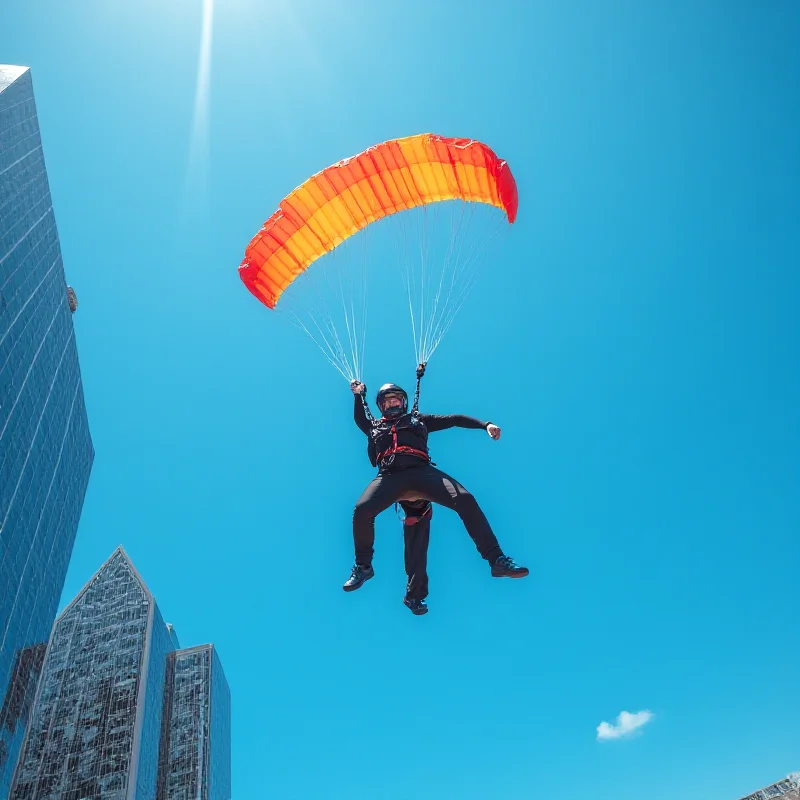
x,y
440,422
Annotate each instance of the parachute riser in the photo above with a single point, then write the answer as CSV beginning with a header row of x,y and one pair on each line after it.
x,y
420,374
366,408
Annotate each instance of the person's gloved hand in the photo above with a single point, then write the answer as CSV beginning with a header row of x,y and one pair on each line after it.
x,y
356,387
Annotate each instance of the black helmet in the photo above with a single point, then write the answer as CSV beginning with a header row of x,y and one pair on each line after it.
x,y
392,388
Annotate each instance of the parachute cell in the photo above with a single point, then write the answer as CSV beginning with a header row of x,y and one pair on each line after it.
x,y
394,176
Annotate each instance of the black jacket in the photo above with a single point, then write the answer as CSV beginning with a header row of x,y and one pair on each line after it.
x,y
412,431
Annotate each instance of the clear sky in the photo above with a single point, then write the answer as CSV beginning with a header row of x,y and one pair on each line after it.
x,y
637,338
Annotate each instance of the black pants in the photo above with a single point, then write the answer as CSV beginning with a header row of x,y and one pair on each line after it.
x,y
419,483
417,537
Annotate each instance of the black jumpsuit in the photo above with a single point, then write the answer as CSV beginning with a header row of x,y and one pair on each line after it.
x,y
408,479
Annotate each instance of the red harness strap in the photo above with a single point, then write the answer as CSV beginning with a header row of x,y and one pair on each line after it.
x,y
402,449
414,520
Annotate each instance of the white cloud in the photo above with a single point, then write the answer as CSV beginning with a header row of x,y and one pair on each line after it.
x,y
626,725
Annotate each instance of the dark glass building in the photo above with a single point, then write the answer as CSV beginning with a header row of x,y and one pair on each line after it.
x,y
787,789
46,451
113,692
196,734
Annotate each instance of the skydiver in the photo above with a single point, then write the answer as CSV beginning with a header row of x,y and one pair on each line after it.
x,y
405,473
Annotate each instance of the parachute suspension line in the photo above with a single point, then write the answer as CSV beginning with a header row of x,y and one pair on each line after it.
x,y
327,338
356,334
332,288
401,233
438,279
425,352
415,224
457,267
472,266
349,259
350,320
450,265
323,312
364,306
341,366
422,265
343,338
464,274
411,314
427,278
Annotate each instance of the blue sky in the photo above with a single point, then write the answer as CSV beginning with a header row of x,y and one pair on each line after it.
x,y
637,338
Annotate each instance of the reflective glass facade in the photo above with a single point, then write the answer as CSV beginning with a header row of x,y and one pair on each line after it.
x,y
16,706
46,451
219,770
787,789
195,745
114,696
151,711
103,675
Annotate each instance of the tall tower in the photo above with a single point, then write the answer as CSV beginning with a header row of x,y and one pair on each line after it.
x,y
46,450
94,730
119,712
195,753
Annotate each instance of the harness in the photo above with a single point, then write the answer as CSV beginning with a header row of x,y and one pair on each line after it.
x,y
401,449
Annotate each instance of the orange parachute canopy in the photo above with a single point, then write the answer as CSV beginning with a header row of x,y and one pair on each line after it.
x,y
342,199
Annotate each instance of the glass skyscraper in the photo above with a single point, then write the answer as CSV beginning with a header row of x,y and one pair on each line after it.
x,y
787,789
195,738
46,450
119,713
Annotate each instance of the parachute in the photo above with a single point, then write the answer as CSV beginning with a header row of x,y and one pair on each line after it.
x,y
407,180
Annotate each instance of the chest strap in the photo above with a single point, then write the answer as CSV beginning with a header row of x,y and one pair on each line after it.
x,y
401,449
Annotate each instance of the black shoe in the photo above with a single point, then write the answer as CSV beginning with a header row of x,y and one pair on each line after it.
x,y
357,577
417,607
505,567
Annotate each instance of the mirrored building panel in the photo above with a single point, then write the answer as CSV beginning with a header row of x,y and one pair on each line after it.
x,y
787,789
151,707
219,769
118,713
195,759
46,451
99,700
17,704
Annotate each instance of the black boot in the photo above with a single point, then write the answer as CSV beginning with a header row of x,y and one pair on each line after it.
x,y
504,567
357,577
417,607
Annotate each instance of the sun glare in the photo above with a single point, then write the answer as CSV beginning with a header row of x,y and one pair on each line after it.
x,y
199,144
